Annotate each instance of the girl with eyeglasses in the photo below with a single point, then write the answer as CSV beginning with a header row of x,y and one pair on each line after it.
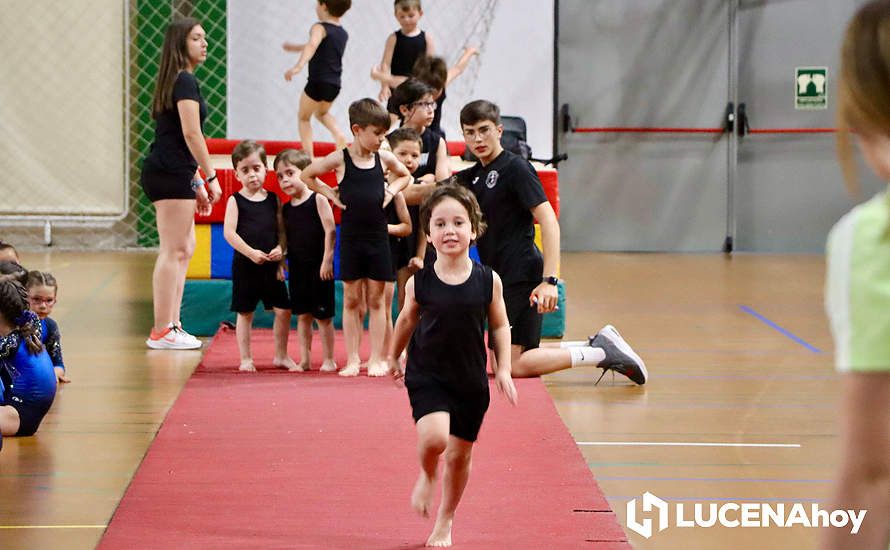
x,y
42,290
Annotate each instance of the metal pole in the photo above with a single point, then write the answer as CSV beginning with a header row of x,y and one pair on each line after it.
x,y
732,150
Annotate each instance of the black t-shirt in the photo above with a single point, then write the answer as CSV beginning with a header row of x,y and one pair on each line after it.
x,y
304,230
406,52
169,151
449,341
257,224
507,189
327,63
362,191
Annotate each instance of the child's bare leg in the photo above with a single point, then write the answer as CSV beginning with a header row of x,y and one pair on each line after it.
x,y
863,475
243,323
322,112
432,440
388,290
304,122
376,328
401,279
280,330
458,457
351,326
326,331
304,335
9,420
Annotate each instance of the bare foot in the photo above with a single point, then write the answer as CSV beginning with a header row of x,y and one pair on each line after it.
x,y
328,366
378,369
247,366
422,495
351,369
441,535
290,365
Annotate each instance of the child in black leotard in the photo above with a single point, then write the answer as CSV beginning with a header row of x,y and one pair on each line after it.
x,y
324,54
251,227
446,307
364,243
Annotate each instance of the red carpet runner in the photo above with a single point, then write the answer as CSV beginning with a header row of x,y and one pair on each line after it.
x,y
310,460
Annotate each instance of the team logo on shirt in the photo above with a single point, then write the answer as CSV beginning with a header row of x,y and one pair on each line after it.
x,y
491,179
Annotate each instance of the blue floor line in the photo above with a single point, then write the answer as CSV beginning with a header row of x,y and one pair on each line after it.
x,y
787,333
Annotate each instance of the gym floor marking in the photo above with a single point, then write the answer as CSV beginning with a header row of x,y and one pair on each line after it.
x,y
684,444
53,526
786,332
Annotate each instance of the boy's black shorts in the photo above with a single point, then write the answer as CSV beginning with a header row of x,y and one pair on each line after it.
x,y
254,282
465,407
308,292
322,91
366,259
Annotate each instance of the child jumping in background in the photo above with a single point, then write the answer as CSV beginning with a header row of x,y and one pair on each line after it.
x,y
251,227
27,378
404,47
324,54
447,304
310,237
42,292
363,194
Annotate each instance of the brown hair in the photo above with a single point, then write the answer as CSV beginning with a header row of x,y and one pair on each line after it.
x,y
367,112
174,58
462,195
406,5
336,7
13,271
432,70
294,157
13,303
7,246
406,93
41,278
477,111
403,134
864,85
246,148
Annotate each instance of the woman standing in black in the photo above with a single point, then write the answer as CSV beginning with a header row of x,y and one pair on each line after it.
x,y
170,176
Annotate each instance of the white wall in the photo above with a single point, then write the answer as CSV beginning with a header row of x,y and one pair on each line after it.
x,y
515,69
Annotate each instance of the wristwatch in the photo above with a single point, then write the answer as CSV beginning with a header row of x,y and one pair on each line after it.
x,y
552,280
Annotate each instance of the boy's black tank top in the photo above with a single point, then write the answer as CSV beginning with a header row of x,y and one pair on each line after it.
x,y
437,118
406,52
327,63
361,190
305,233
449,341
257,223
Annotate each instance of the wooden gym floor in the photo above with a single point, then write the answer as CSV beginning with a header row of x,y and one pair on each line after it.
x,y
738,352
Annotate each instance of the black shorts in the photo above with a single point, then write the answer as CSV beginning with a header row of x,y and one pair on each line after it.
x,y
322,91
366,259
254,282
398,251
466,409
30,414
524,319
160,184
308,292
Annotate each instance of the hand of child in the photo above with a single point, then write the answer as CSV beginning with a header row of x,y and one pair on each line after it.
x,y
257,256
337,202
505,385
275,254
415,264
471,50
377,73
384,94
396,369
290,73
292,47
326,273
60,375
281,271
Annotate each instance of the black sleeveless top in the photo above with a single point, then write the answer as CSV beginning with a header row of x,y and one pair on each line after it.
x,y
449,341
406,52
305,233
361,190
327,63
257,224
437,118
430,145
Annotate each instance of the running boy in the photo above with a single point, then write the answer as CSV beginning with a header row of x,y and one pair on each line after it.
x,y
362,193
251,228
511,196
446,307
405,46
310,237
324,54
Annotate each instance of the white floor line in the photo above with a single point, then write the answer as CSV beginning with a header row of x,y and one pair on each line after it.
x,y
683,444
53,526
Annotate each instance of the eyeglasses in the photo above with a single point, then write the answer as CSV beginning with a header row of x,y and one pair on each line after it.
x,y
431,105
38,301
482,132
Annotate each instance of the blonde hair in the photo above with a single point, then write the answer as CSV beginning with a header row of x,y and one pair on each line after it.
x,y
864,85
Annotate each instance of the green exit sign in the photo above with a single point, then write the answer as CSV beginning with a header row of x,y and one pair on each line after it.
x,y
811,88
